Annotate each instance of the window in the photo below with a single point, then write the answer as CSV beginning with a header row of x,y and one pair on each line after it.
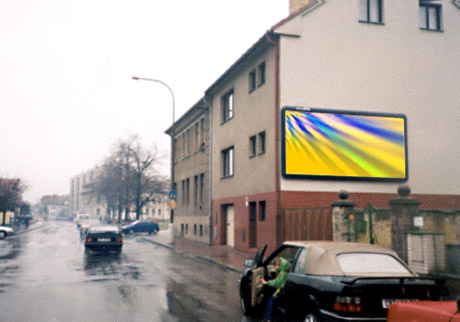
x,y
196,191
252,146
201,230
187,192
371,11
361,263
183,192
252,80
227,162
430,14
262,215
261,74
201,188
261,146
202,131
197,136
227,106
301,262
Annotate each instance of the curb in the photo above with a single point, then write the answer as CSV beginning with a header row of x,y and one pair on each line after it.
x,y
186,254
30,229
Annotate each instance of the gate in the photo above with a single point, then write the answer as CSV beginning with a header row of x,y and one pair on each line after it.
x,y
306,224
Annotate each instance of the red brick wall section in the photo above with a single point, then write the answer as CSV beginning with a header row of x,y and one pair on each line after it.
x,y
294,199
266,230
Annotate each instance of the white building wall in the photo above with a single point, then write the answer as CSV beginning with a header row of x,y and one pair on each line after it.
x,y
340,63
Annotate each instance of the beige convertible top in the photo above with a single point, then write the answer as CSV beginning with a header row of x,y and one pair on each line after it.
x,y
322,256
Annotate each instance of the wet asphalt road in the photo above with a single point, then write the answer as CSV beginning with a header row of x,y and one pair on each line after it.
x,y
46,276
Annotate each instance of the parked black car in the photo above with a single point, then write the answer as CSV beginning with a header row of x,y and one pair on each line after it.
x,y
104,238
142,226
335,281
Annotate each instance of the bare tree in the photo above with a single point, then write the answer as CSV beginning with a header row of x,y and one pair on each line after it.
x,y
10,195
127,177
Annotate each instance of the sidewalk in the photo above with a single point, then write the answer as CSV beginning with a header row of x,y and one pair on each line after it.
x,y
223,256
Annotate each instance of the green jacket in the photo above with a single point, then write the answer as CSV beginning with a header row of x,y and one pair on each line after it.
x,y
280,281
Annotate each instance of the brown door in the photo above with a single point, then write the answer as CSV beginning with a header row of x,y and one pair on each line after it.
x,y
307,224
252,228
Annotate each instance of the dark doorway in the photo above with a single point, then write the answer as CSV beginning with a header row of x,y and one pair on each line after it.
x,y
252,228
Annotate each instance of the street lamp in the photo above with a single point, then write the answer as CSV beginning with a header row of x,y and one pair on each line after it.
x,y
172,135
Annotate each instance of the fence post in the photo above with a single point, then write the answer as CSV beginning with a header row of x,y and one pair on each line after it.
x,y
340,221
403,209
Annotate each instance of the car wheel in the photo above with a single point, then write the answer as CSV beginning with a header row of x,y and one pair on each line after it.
x,y
155,231
311,317
2,235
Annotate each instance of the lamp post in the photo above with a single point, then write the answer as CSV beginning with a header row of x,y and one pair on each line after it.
x,y
171,218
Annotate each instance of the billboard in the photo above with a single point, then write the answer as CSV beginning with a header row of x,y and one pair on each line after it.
x,y
343,145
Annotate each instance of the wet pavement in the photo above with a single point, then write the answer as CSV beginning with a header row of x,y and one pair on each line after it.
x,y
46,275
224,256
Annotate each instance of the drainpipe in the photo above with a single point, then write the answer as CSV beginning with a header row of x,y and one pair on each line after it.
x,y
277,134
209,104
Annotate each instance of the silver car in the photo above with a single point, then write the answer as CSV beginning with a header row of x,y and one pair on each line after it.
x,y
6,231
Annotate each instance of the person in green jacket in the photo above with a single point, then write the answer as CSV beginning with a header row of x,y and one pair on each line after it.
x,y
282,268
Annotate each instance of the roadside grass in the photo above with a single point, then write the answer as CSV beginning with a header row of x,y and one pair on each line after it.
x,y
163,225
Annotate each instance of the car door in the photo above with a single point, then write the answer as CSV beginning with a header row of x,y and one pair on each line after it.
x,y
143,227
257,286
257,275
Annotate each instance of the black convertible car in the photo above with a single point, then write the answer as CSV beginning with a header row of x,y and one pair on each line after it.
x,y
335,281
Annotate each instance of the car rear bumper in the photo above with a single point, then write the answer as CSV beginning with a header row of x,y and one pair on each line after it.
x,y
332,317
104,247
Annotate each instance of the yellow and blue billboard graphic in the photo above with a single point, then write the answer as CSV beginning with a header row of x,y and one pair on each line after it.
x,y
333,144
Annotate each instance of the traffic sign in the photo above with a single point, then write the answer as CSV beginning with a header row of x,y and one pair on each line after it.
x,y
172,195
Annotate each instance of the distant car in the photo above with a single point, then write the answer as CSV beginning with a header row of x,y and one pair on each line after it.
x,y
424,311
81,218
86,224
104,238
334,281
142,226
6,231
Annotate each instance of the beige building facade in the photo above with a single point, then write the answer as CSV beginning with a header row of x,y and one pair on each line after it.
x,y
355,56
192,173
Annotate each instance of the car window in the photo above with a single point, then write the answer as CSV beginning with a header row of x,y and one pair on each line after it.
x,y
370,263
288,253
301,262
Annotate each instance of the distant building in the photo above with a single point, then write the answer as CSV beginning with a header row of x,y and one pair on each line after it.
x,y
192,173
84,200
55,206
81,198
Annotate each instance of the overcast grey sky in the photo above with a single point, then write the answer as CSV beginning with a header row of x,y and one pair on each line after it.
x,y
66,91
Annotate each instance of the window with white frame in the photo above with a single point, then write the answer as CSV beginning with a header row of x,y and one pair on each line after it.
x,y
227,162
261,74
430,14
261,147
371,11
227,106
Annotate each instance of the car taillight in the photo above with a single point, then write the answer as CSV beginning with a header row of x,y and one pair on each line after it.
x,y
347,304
120,240
89,240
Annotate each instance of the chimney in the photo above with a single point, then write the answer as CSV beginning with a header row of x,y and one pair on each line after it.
x,y
295,5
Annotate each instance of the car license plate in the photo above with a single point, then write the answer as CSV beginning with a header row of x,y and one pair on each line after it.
x,y
387,302
104,240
